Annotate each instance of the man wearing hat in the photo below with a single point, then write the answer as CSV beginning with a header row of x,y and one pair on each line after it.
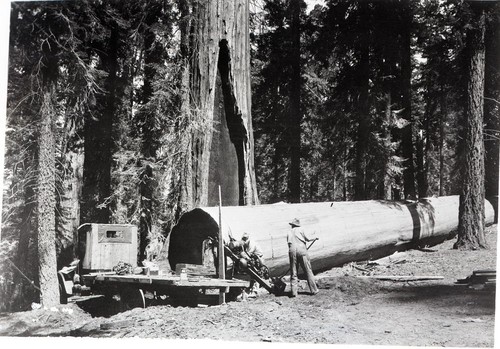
x,y
297,251
251,248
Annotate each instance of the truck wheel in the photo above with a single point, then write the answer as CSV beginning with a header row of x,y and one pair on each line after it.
x,y
63,297
132,298
185,297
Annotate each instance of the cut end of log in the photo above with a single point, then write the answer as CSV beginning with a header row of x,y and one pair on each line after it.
x,y
188,236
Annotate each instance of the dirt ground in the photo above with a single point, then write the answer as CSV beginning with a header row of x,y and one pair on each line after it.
x,y
351,307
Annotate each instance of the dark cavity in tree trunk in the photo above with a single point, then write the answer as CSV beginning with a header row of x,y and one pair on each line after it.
x,y
229,139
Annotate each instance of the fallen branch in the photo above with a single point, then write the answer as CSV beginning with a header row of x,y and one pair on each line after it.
x,y
426,250
403,278
362,269
32,283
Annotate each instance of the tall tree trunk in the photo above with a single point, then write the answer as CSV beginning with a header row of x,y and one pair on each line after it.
x,y
21,291
492,112
146,189
251,194
363,131
442,121
407,131
389,71
471,209
218,45
68,220
345,160
98,135
295,104
150,134
46,180
152,56
420,160
46,204
425,148
26,227
387,179
184,187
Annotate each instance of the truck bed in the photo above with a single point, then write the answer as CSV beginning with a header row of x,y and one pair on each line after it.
x,y
163,280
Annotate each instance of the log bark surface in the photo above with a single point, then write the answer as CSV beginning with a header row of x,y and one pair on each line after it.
x,y
46,203
347,231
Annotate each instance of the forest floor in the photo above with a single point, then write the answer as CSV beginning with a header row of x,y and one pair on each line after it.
x,y
350,308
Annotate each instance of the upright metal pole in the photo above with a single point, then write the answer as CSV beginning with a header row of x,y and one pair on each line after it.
x,y
222,266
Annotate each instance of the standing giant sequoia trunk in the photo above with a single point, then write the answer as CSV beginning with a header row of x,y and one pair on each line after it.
x,y
217,97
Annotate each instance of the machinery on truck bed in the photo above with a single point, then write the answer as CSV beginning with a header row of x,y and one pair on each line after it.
x,y
108,266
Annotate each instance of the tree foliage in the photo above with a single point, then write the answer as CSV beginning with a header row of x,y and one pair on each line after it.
x,y
108,102
383,87
351,100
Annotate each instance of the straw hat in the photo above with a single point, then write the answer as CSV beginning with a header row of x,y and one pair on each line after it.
x,y
295,222
245,236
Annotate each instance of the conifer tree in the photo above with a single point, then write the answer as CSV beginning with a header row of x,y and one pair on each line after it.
x,y
471,210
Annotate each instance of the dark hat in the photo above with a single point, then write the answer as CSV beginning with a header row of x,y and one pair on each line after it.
x,y
295,222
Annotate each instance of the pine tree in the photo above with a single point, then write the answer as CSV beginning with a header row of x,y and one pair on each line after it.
x,y
48,79
406,101
295,108
471,209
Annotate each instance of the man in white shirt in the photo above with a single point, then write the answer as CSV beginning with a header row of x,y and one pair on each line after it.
x,y
297,252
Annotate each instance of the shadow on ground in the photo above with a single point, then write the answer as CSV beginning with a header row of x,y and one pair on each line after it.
x,y
447,295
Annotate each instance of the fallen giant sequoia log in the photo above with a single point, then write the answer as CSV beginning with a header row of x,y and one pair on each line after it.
x,y
347,231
